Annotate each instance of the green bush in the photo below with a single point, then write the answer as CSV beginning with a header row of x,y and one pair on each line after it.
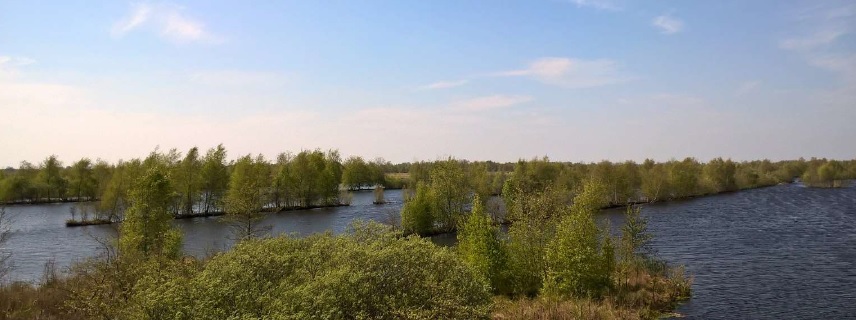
x,y
370,273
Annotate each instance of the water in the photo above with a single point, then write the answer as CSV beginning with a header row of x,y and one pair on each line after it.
x,y
783,252
39,233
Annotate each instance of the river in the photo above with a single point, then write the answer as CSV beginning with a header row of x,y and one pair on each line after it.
x,y
774,253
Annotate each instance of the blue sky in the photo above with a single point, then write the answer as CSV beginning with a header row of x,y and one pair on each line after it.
x,y
577,80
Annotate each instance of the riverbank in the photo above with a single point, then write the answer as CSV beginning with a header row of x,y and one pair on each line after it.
x,y
45,201
81,223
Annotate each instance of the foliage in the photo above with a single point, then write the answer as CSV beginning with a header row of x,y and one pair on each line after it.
x,y
367,274
635,238
417,214
214,178
481,248
533,219
580,257
246,196
449,191
146,230
188,182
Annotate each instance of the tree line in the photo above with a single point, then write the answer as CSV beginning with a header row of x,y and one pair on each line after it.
x,y
441,191
200,182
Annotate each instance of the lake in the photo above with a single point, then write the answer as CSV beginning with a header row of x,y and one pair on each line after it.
x,y
773,253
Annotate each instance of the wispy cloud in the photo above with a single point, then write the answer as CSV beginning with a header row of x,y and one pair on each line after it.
x,y
817,38
597,4
747,87
824,26
570,72
16,61
444,84
667,24
168,20
490,102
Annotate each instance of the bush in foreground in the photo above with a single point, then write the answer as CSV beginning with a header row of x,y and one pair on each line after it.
x,y
370,273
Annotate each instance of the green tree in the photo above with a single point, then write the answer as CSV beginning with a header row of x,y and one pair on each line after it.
x,y
146,230
481,248
50,178
82,180
533,217
101,172
684,177
417,214
283,186
356,174
214,178
720,175
246,197
580,257
117,195
450,192
331,178
635,238
188,181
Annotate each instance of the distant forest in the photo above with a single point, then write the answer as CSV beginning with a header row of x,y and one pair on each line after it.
x,y
200,181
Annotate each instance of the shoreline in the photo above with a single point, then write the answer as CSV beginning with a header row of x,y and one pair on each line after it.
x,y
79,223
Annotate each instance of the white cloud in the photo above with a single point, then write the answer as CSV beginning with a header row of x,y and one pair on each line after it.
x,y
571,73
165,19
490,102
139,14
818,39
747,87
444,84
15,61
820,26
597,4
668,24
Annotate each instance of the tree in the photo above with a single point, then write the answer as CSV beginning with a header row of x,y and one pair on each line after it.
x,y
533,217
101,172
214,178
481,248
331,177
580,257
245,198
684,177
450,190
82,179
356,174
146,230
50,177
188,180
417,214
283,185
720,175
117,196
635,238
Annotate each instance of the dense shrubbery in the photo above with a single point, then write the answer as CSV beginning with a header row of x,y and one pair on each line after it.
x,y
369,273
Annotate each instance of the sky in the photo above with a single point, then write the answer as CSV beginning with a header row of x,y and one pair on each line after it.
x,y
575,80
